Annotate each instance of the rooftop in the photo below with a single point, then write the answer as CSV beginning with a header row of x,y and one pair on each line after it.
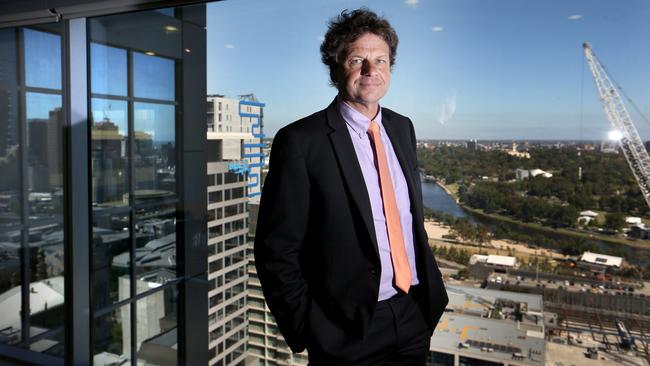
x,y
465,328
602,259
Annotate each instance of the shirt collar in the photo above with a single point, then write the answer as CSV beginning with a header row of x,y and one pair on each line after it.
x,y
355,119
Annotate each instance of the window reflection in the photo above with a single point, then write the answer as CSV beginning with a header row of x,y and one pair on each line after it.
x,y
157,334
153,77
134,178
108,70
32,228
7,58
44,139
9,160
42,59
112,338
44,127
111,257
109,152
156,243
154,155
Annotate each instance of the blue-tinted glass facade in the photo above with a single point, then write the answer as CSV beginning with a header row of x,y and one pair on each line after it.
x,y
134,306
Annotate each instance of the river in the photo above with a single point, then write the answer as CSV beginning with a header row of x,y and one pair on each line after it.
x,y
437,199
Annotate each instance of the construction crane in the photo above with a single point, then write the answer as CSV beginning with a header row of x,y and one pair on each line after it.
x,y
630,141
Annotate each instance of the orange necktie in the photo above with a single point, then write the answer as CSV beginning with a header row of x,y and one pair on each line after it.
x,y
401,268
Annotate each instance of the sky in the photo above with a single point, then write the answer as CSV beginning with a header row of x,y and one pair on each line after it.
x,y
465,69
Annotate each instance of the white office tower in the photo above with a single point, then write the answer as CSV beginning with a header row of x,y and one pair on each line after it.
x,y
238,123
235,160
227,230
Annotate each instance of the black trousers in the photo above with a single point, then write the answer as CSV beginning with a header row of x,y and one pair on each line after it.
x,y
397,336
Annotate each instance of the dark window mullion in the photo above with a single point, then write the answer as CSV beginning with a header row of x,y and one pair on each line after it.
x,y
117,305
34,89
25,268
77,206
131,184
134,99
155,101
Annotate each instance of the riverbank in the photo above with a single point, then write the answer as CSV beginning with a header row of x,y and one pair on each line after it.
x,y
437,231
450,189
586,235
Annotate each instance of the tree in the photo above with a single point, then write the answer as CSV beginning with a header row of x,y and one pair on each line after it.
x,y
564,216
614,221
482,235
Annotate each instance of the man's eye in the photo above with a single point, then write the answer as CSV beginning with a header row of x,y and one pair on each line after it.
x,y
381,61
356,61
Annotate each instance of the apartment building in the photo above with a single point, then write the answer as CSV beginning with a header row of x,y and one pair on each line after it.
x,y
235,161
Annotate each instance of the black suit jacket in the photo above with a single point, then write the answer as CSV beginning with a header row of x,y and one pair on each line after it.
x,y
315,247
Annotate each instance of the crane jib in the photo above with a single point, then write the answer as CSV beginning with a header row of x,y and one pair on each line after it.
x,y
633,149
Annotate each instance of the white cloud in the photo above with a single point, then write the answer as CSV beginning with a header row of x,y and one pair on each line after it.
x,y
447,109
321,38
228,45
575,17
412,3
437,29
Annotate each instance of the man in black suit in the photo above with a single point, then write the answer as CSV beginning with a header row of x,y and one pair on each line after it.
x,y
340,248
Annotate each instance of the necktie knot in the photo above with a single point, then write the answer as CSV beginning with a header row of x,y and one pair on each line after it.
x,y
374,127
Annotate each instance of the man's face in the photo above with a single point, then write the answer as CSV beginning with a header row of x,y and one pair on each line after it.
x,y
364,74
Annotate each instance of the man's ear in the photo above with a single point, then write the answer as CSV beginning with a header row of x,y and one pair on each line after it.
x,y
334,76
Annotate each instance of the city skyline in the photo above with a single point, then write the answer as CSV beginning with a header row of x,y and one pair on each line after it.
x,y
465,69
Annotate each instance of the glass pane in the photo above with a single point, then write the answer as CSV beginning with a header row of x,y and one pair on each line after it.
x,y
153,77
45,202
112,338
146,31
46,296
108,70
156,244
109,152
45,167
167,11
155,149
42,59
8,69
111,257
9,159
157,335
10,322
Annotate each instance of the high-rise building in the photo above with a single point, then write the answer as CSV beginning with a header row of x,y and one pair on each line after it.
x,y
227,229
238,123
235,137
234,132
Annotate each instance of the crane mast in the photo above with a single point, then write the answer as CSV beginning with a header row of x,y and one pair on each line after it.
x,y
630,142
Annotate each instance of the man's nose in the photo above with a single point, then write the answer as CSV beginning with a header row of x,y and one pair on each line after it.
x,y
367,68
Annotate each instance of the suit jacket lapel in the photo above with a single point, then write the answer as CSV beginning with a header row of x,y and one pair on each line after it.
x,y
347,158
396,140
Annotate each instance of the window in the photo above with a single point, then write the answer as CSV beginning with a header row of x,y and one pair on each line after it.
x,y
93,103
134,104
32,228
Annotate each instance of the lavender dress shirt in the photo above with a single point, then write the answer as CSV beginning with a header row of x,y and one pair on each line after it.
x,y
358,125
